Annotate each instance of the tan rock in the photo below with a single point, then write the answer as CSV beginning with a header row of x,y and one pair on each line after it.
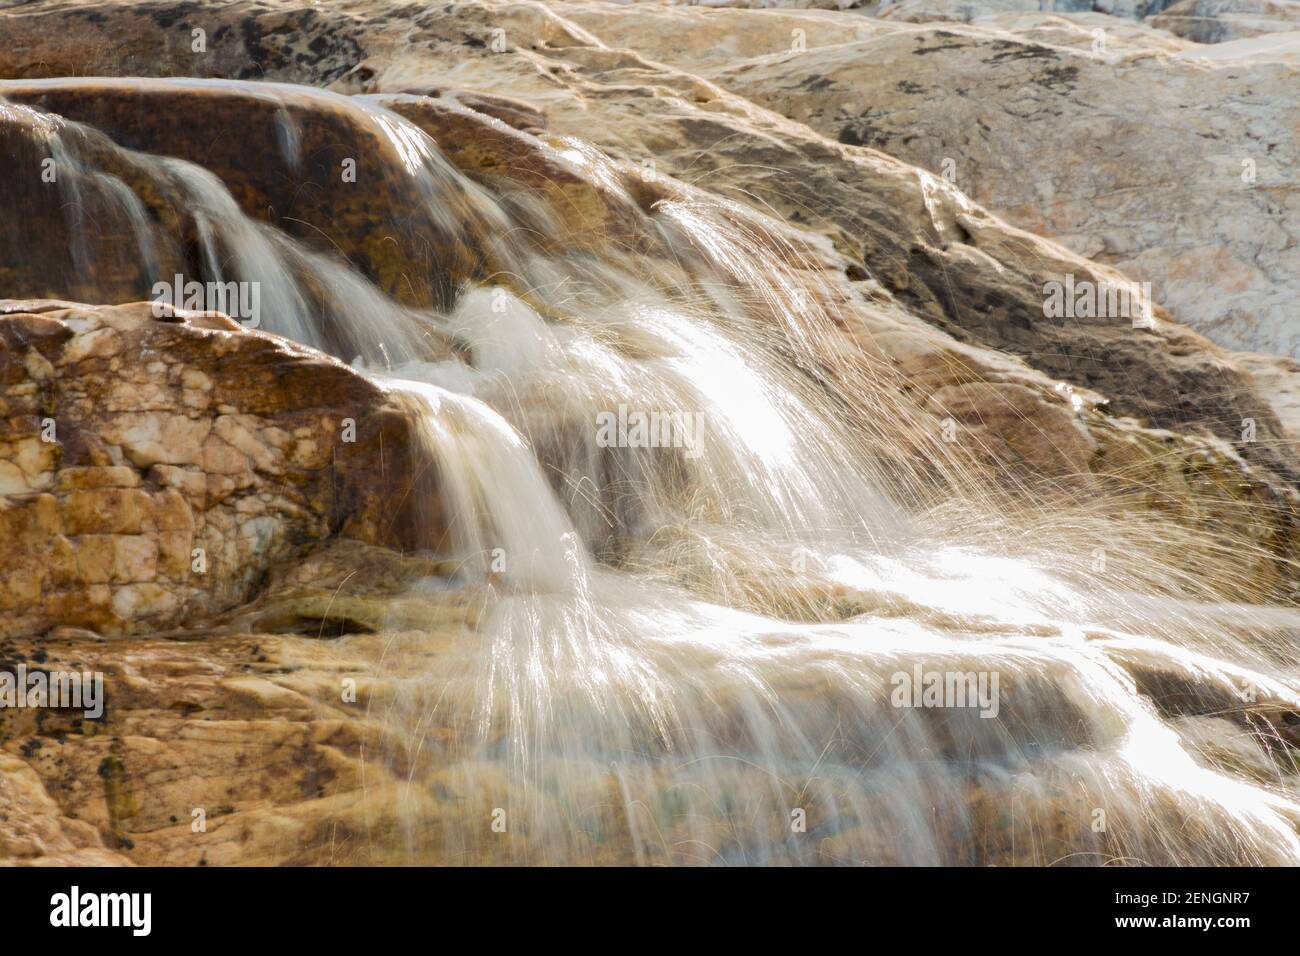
x,y
112,546
135,558
153,438
251,727
1043,439
112,476
95,556
13,481
1189,223
33,829
101,343
104,510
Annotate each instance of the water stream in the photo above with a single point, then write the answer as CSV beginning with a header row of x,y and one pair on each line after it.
x,y
710,603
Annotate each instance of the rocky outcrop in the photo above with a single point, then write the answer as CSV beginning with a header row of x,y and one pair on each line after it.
x,y
315,165
1278,378
245,748
34,829
1208,230
152,469
1109,207
311,747
911,245
918,239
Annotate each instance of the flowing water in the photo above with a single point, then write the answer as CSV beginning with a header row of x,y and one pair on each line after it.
x,y
714,582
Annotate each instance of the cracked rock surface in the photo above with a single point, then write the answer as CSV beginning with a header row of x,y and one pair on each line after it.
x,y
153,468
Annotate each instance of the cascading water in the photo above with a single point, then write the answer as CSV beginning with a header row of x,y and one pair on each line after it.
x,y
707,608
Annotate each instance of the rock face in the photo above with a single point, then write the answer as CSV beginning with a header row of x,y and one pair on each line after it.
x,y
34,829
283,752
151,470
1279,379
278,743
1209,228
1220,21
1038,429
967,11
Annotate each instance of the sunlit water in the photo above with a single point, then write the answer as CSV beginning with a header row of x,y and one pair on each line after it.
x,y
692,638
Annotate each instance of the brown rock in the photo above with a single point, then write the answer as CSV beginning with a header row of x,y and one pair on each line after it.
x,y
118,542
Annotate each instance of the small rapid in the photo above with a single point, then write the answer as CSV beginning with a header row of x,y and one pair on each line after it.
x,y
716,619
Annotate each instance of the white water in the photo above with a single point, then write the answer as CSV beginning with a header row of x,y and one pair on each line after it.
x,y
632,690
623,710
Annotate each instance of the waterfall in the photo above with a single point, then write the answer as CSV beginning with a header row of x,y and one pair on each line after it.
x,y
709,610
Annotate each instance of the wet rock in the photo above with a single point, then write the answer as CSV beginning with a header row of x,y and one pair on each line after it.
x,y
475,134
197,432
313,164
308,757
927,280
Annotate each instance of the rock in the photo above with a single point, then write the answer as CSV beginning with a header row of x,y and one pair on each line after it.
x,y
858,199
1215,247
932,249
314,164
967,11
122,514
1220,21
1048,439
288,749
491,151
1279,379
287,765
906,244
277,42
35,831
1282,48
